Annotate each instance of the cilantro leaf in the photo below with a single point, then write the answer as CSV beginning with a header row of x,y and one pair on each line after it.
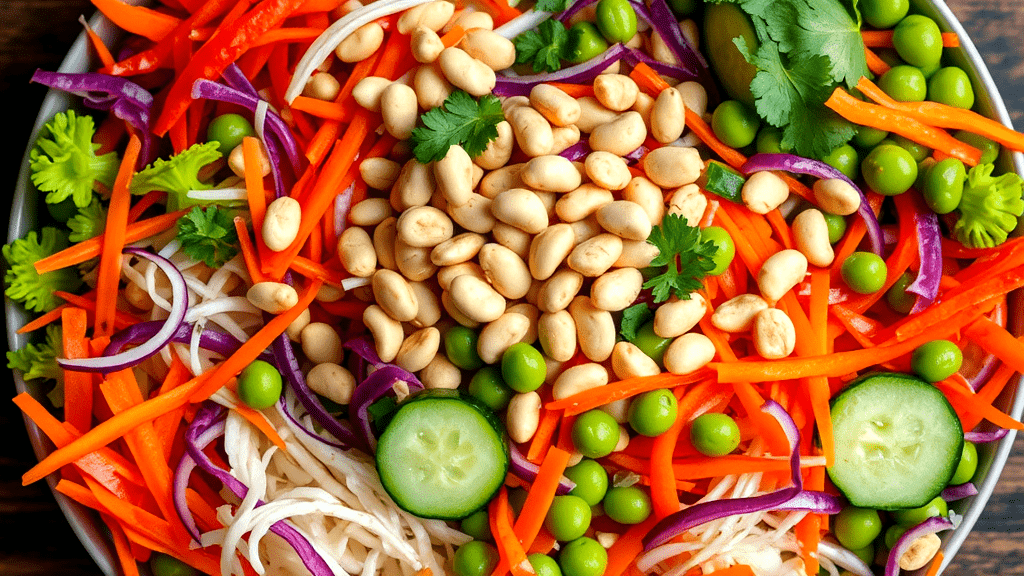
x,y
551,5
460,120
686,259
208,236
632,319
542,48
177,175
805,28
64,161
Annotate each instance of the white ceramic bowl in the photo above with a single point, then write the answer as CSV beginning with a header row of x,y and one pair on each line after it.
x,y
94,535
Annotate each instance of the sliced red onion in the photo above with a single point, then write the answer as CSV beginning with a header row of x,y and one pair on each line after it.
x,y
577,151
959,492
635,156
675,524
812,501
212,340
986,437
574,8
929,526
578,74
134,356
206,419
302,426
633,57
801,165
286,362
365,354
843,557
665,24
124,98
376,386
183,473
929,251
526,470
235,78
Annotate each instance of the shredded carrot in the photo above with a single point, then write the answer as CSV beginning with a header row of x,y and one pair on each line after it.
x,y
321,108
248,250
44,320
260,422
898,122
664,497
122,319
288,35
738,570
541,441
996,340
97,44
77,385
575,90
594,397
453,36
883,39
511,551
122,548
876,65
138,19
114,239
968,402
933,569
629,545
540,496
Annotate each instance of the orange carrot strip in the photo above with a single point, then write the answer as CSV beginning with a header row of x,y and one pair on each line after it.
x,y
736,570
945,116
544,543
261,423
540,496
139,20
254,191
575,90
781,228
122,319
589,399
933,569
147,200
883,39
77,385
541,440
248,251
876,65
197,389
513,556
121,546
898,122
961,398
703,131
97,43
311,269
114,237
44,320
996,340
453,36
93,247
287,35
664,497
321,108
628,546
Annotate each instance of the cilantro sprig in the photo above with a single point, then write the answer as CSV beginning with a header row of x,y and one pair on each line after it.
x,y
805,49
685,257
632,319
461,120
208,236
542,48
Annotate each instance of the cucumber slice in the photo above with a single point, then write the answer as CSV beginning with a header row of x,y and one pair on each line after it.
x,y
898,442
442,456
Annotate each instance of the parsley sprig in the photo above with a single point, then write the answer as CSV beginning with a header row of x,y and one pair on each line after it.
x,y
686,259
208,235
461,120
542,48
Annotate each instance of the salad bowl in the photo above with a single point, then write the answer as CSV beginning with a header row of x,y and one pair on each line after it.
x,y
96,538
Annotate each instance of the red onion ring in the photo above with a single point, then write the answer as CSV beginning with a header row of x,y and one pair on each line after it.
x,y
959,492
526,470
929,526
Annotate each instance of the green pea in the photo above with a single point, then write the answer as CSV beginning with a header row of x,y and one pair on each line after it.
x,y
64,210
475,558
930,70
868,137
867,554
884,13
989,149
918,40
864,272
714,434
923,167
488,387
889,170
595,434
163,565
897,296
653,413
583,557
616,20
936,360
523,367
944,185
683,7
584,42
650,343
726,248
477,525
836,226
968,465
627,504
893,533
544,565
735,124
460,346
951,86
260,385
856,527
918,152
845,159
568,518
914,516
591,481
228,130
904,83
769,141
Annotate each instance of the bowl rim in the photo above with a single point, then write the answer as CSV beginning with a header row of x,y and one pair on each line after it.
x,y
94,535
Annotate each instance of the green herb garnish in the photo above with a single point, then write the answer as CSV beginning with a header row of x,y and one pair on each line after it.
x,y
461,120
687,260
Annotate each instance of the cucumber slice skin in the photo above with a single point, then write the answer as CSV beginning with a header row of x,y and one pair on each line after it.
x,y
898,442
442,455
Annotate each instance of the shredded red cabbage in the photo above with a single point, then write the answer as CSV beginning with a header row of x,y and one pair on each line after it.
x,y
577,151
959,492
376,386
168,327
929,251
978,437
664,22
236,79
212,340
801,165
526,470
578,74
124,98
929,526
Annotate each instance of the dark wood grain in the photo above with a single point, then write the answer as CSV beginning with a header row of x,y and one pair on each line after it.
x,y
35,539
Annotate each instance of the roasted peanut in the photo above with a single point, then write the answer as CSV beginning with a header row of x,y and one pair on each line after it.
x,y
494,50
673,166
780,273
272,297
496,336
322,86
582,202
810,233
579,379
523,416
476,298
695,96
737,314
558,107
413,262
433,15
384,236
428,309
836,196
414,187
688,353
557,334
512,238
441,373
418,349
394,295
466,72
617,289
532,130
505,270
689,202
593,114
361,44
520,208
399,109
628,361
332,381
426,45
294,330
595,256
453,310
448,273
432,88
367,92
550,173
470,19
607,170
668,117
454,175
378,173
475,215
764,192
424,227
620,136
549,249
677,317
920,552
615,91
642,191
461,248
558,291
320,343
595,329
499,150
624,219
501,179
281,223
774,334
586,228
355,250
636,254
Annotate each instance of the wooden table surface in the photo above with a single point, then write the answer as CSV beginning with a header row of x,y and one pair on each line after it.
x,y
34,537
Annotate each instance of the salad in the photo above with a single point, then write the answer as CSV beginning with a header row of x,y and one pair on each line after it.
x,y
577,287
